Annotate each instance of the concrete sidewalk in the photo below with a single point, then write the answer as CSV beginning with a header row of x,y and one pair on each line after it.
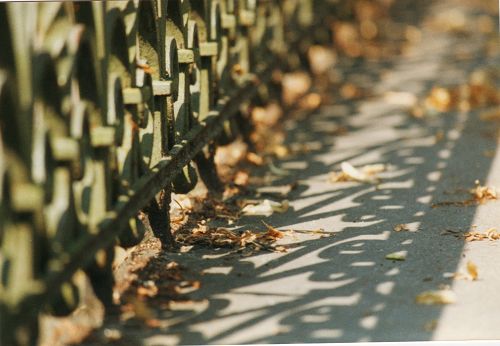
x,y
341,288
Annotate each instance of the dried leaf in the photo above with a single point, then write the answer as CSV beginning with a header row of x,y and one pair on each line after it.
x,y
373,169
417,112
255,159
366,174
148,290
241,178
321,58
440,99
347,38
310,101
353,173
238,70
397,256
472,270
281,248
281,151
438,297
401,228
268,115
490,234
295,85
489,153
173,265
247,241
483,90
479,195
491,115
471,275
153,323
482,194
185,203
230,155
185,248
451,20
145,67
273,232
350,91
266,208
479,91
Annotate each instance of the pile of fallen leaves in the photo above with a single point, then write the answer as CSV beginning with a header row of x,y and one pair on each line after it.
x,y
361,29
490,234
162,283
165,278
479,91
472,273
445,295
219,237
482,194
455,21
206,208
478,195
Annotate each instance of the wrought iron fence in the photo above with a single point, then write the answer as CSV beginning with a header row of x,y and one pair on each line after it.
x,y
107,107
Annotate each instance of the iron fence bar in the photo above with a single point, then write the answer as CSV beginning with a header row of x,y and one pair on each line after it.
x,y
143,192
97,117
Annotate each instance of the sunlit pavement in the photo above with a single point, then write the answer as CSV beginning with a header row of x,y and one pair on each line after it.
x,y
342,288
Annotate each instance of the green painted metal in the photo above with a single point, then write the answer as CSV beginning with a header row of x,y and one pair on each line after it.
x,y
105,108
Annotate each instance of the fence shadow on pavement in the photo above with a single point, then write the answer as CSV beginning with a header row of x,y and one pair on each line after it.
x,y
341,288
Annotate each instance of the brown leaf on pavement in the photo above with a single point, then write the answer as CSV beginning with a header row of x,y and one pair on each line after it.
x,y
241,178
265,207
255,159
490,234
479,195
321,59
268,115
438,297
350,91
490,114
365,174
441,99
401,228
295,85
148,290
472,270
222,237
482,194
